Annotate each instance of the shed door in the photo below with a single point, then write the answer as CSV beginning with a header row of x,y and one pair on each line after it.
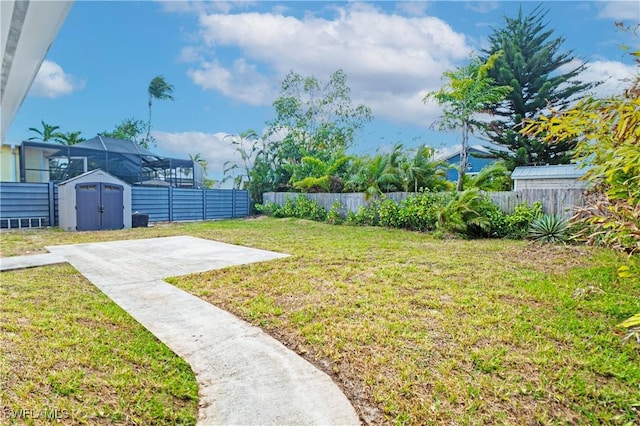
x,y
99,206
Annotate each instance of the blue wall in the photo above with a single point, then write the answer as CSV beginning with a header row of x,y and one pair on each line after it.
x,y
475,164
36,204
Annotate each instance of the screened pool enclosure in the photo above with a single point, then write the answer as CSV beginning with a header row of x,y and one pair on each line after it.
x,y
52,162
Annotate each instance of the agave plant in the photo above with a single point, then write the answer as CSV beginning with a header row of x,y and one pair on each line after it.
x,y
549,229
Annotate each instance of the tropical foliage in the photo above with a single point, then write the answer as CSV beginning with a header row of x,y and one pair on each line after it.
x,y
467,92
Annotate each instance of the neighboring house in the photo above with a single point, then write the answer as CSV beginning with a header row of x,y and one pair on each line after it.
x,y
126,160
9,163
474,163
565,176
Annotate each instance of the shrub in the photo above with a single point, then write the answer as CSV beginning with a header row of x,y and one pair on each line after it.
x,y
420,212
335,215
548,229
519,221
305,208
366,215
389,213
300,207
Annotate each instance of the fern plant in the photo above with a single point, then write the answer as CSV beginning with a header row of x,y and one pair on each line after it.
x,y
549,229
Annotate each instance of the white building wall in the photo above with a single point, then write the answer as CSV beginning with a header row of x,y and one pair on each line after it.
x,y
550,183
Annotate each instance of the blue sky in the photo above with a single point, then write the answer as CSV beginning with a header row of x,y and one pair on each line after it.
x,y
226,60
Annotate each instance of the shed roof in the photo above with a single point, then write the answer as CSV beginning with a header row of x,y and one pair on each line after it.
x,y
562,171
97,172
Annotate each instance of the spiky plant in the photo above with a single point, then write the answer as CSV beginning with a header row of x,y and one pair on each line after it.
x,y
549,229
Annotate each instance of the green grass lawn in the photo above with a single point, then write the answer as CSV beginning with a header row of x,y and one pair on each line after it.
x,y
415,330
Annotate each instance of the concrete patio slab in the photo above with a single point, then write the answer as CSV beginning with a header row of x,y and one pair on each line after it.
x,y
245,376
29,261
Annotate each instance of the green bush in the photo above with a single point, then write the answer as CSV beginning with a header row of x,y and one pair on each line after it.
x,y
420,212
519,221
268,208
366,215
300,207
335,215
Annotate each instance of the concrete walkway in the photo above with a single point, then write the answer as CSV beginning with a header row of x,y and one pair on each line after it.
x,y
245,376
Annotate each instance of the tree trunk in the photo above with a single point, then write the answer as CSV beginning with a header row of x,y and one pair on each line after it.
x,y
464,153
146,141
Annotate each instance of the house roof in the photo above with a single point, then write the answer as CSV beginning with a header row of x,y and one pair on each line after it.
x,y
472,151
563,171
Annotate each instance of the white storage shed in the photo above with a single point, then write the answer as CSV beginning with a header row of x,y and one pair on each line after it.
x,y
565,176
93,201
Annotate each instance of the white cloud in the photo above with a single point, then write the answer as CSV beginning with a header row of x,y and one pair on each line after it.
x,y
620,10
242,82
614,75
390,60
51,81
216,148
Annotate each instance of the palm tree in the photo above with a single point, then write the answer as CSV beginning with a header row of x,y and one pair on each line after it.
x,y
48,133
494,177
158,89
199,159
377,175
71,138
468,91
422,171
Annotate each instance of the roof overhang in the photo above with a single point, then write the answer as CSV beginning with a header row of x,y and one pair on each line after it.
x,y
28,28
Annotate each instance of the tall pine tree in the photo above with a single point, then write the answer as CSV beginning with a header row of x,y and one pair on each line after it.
x,y
532,65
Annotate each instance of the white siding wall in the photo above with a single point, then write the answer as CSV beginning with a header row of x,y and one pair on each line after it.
x,y
553,183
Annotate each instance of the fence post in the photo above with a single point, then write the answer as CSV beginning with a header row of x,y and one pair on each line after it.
x,y
233,203
52,204
204,203
170,204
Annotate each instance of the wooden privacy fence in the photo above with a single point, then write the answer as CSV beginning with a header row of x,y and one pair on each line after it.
x,y
554,201
33,205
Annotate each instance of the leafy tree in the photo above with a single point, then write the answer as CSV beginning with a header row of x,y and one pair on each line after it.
x,y
133,130
48,133
161,90
468,91
71,138
312,120
530,63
